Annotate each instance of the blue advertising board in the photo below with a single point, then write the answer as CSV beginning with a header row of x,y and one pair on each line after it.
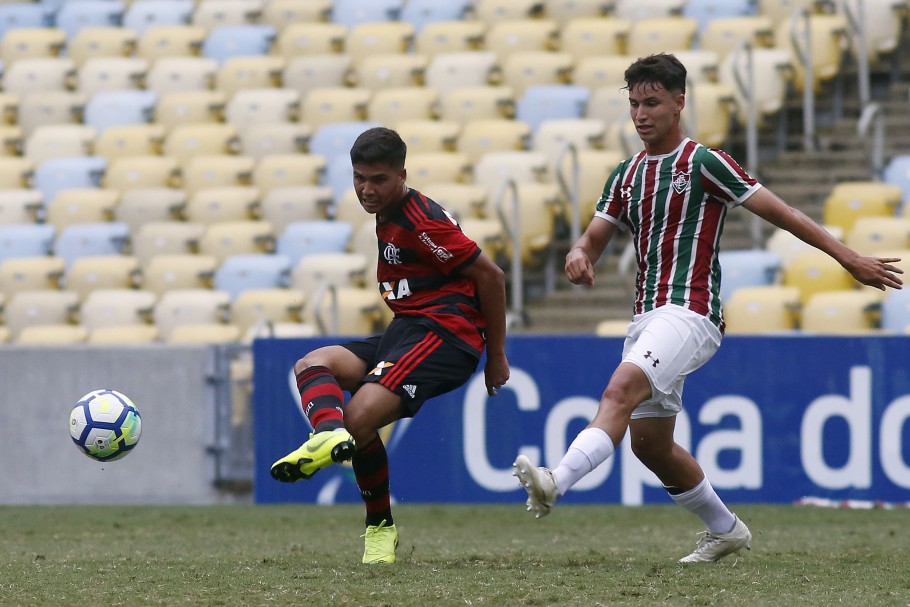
x,y
770,419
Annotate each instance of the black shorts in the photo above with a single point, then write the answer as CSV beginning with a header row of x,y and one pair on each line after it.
x,y
413,362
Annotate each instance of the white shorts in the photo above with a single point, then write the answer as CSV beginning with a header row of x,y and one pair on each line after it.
x,y
668,343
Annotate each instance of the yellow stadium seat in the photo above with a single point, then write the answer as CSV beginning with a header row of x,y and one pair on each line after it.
x,y
190,107
32,308
521,35
701,65
20,206
217,171
449,72
132,172
723,34
282,13
30,274
39,74
283,205
186,141
850,200
598,71
479,137
347,208
288,170
83,205
813,271
130,140
708,112
322,106
309,72
449,37
140,206
477,103
260,140
106,41
159,41
166,238
190,306
262,106
254,306
338,269
210,14
493,169
121,335
589,37
564,11
656,34
783,10
59,141
772,72
537,206
827,33
85,274
428,135
487,233
552,136
842,312
181,74
764,309
166,272
257,72
99,74
463,200
213,205
493,11
15,173
787,246
872,234
591,169
636,10
347,311
11,140
439,166
378,38
389,106
376,72
310,38
116,307
528,68
31,43
49,107
52,335
222,240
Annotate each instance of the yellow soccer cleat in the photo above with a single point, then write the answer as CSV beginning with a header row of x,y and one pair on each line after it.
x,y
380,543
321,450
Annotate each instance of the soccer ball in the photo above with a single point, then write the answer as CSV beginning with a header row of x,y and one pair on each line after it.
x,y
105,425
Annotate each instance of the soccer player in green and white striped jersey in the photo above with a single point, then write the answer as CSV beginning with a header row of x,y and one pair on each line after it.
x,y
672,198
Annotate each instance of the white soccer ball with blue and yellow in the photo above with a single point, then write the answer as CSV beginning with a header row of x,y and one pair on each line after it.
x,y
105,425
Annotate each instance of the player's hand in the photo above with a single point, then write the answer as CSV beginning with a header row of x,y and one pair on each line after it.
x,y
496,372
877,272
579,269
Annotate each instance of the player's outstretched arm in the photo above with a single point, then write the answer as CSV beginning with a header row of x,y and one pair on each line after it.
x,y
875,272
490,283
587,250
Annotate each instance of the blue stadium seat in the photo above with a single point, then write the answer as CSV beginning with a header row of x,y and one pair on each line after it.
x,y
898,173
26,240
91,239
353,12
229,41
548,102
420,12
120,108
143,14
337,138
13,16
705,11
896,311
338,175
73,16
747,268
239,273
57,174
301,238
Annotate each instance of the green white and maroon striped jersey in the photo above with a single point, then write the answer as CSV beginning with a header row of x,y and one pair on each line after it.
x,y
674,205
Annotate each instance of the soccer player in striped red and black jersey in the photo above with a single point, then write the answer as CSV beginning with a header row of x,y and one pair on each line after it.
x,y
672,198
449,305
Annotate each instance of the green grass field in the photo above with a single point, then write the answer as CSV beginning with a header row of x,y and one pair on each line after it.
x,y
449,555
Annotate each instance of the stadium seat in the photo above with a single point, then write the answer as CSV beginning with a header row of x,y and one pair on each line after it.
x,y
883,22
336,138
350,13
701,65
428,135
59,141
346,207
135,172
214,205
49,107
386,71
38,75
284,205
57,174
522,70
141,15
897,172
548,102
448,72
123,334
239,73
112,307
537,206
869,235
52,335
378,38
323,106
104,41
421,13
347,311
189,108
477,137
217,171
35,308
449,37
850,200
813,272
288,170
846,312
338,175
255,306
339,269
168,272
895,311
111,74
130,140
590,169
635,10
190,306
494,169
476,103
282,138
747,268
365,242
26,240
783,10
20,205
262,106
16,173
166,238
180,74
140,206
762,309
159,41
771,72
228,41
298,40
282,13
390,106
655,34
709,112
30,274
238,273
11,140
588,37
431,167
723,35
81,205
21,15
31,43
85,274
488,234
303,74
221,240
211,14
494,11
120,108
553,136
302,238
91,239
827,32
707,12
601,71
187,141
505,37
787,246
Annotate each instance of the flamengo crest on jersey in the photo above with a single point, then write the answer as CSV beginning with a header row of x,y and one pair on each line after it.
x,y
675,205
421,250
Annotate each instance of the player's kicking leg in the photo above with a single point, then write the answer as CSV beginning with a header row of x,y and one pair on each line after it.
x,y
321,450
540,485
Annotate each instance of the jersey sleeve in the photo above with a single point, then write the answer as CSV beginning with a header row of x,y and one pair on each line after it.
x,y
443,244
610,205
725,180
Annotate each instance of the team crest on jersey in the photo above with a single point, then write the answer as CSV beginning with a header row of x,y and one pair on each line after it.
x,y
680,182
392,254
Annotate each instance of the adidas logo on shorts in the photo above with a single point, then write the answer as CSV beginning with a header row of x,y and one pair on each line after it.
x,y
411,389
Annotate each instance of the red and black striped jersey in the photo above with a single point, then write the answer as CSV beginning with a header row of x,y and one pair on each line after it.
x,y
421,252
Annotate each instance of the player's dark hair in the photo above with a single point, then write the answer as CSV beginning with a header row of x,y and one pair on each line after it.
x,y
662,69
379,145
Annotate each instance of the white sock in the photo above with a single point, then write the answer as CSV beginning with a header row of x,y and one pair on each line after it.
x,y
590,448
704,503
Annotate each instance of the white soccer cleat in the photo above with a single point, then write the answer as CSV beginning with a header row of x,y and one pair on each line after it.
x,y
714,546
540,485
